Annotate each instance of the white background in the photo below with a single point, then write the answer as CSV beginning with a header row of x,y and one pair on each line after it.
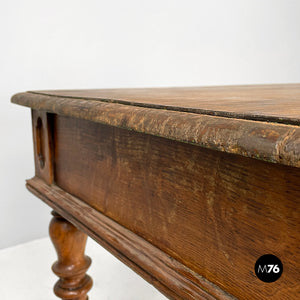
x,y
100,44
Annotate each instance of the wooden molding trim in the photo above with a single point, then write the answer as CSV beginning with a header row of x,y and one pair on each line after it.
x,y
169,276
273,142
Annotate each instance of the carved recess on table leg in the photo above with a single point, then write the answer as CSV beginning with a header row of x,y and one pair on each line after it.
x,y
42,124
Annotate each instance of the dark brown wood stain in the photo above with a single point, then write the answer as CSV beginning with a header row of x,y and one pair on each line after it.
x,y
187,186
214,212
72,264
242,128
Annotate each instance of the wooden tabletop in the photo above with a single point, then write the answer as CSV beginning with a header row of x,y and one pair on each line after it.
x,y
260,121
278,103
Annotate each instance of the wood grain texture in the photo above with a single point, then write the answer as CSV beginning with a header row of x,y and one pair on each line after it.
x,y
72,264
148,184
172,278
214,212
272,142
278,103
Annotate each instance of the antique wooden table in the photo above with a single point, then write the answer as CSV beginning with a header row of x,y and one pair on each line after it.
x,y
187,186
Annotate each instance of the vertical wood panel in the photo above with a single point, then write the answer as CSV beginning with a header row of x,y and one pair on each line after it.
x,y
214,212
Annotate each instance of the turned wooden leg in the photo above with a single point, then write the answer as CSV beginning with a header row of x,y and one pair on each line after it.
x,y
72,264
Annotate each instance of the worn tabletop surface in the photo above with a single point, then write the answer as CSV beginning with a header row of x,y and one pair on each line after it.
x,y
259,121
267,102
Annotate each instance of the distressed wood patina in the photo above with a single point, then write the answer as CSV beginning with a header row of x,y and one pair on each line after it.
x,y
187,186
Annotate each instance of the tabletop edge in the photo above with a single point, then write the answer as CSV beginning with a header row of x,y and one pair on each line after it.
x,y
268,141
